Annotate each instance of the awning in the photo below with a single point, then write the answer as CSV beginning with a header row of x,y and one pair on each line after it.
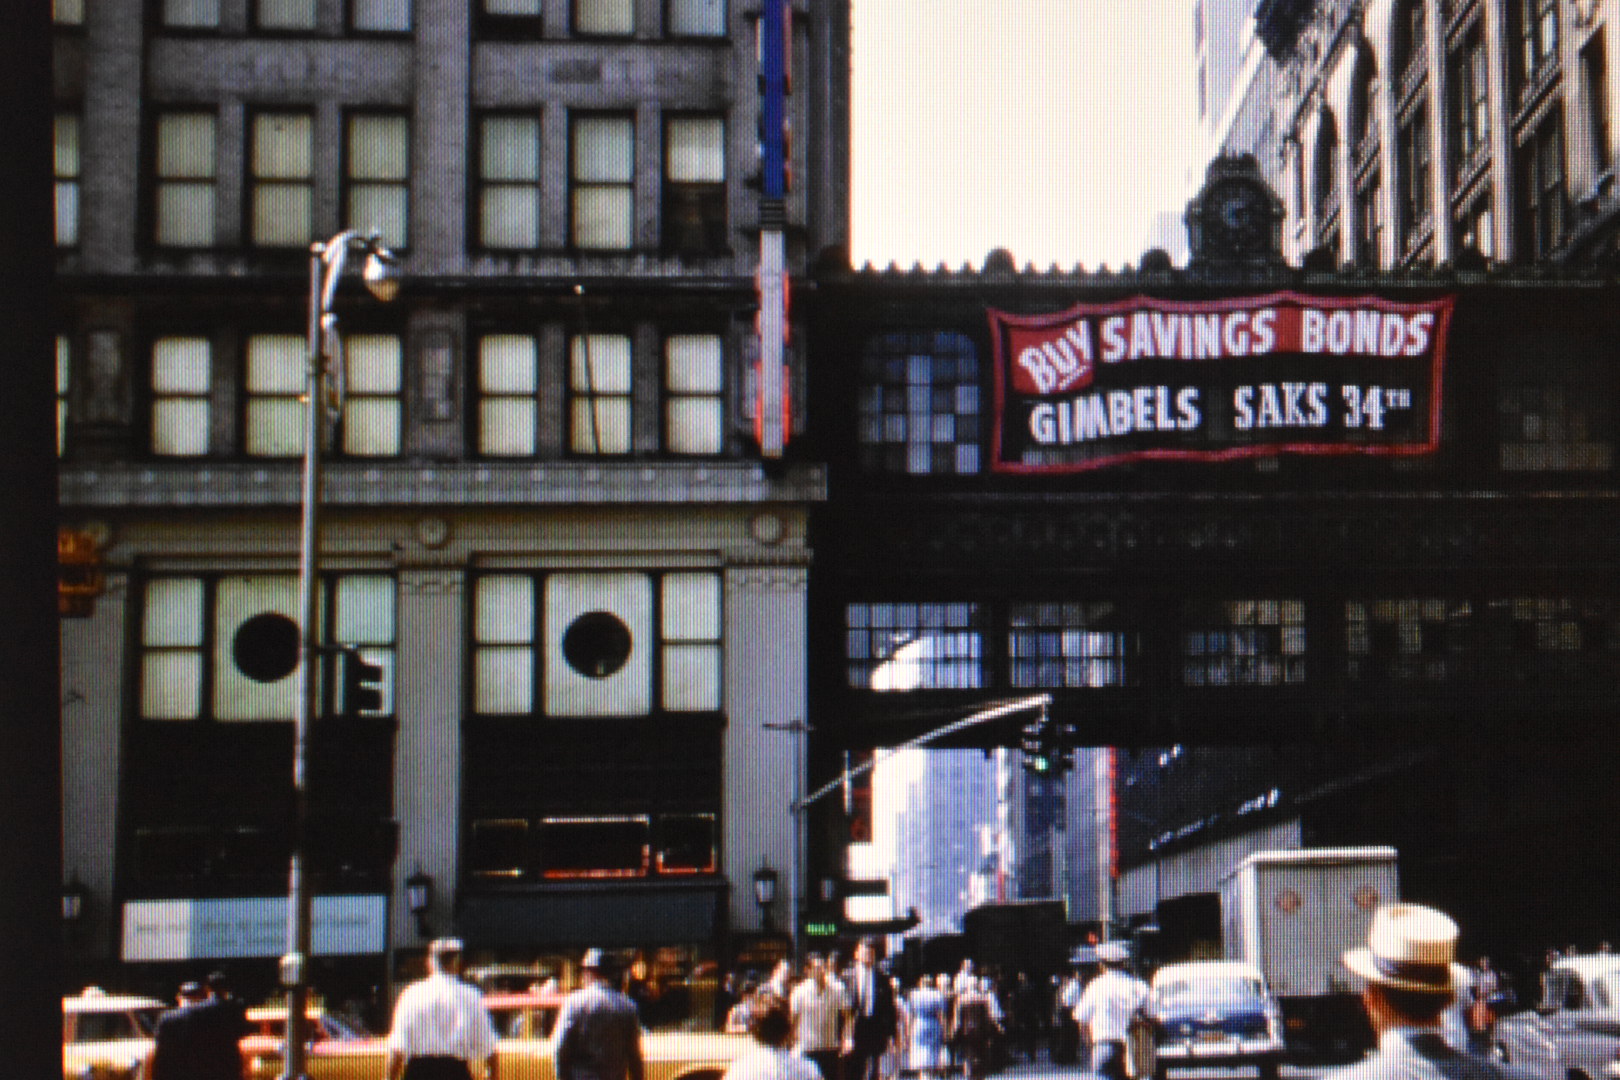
x,y
606,915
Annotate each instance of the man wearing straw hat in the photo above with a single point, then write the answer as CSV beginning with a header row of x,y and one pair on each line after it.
x,y
1406,968
441,1028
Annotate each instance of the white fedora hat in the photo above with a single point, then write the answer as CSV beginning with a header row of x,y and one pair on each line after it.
x,y
1409,947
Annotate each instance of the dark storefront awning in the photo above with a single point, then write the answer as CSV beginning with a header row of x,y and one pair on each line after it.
x,y
603,915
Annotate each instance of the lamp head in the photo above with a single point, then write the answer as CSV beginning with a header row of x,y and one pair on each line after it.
x,y
381,274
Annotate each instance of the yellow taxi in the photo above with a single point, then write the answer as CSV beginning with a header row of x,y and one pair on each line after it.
x,y
107,1036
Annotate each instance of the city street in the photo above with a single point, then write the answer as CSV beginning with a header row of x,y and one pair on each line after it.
x,y
1045,1070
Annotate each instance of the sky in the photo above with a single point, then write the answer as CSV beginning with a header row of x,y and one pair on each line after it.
x,y
1053,128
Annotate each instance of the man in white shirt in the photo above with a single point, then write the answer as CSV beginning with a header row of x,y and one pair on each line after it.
x,y
440,1024
1105,1010
820,1009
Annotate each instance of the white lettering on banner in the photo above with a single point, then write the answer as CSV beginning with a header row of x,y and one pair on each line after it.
x,y
1364,333
250,927
1116,412
1289,404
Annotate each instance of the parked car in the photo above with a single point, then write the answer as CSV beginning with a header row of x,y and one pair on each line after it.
x,y
1580,1002
106,1036
1214,1013
1524,1039
334,1045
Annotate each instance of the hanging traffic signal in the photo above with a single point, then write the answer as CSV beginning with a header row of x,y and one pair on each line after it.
x,y
1046,749
362,684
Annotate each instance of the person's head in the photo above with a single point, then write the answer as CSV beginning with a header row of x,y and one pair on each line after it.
x,y
815,968
1406,965
445,955
942,981
1484,963
866,952
967,966
191,992
594,967
769,1021
925,982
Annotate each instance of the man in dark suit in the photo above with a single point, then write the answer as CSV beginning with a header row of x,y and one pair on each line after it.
x,y
598,1031
196,1041
874,1021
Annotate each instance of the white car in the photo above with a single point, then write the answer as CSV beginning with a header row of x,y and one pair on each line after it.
x,y
1580,1002
107,1036
1215,1013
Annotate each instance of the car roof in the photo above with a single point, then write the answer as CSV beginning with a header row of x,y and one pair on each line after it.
x,y
279,1012
522,1000
1589,966
1193,970
94,999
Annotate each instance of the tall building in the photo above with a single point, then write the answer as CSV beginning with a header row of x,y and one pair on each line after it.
x,y
545,514
1049,829
938,803
1419,132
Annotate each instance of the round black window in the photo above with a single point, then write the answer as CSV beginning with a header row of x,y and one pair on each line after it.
x,y
596,644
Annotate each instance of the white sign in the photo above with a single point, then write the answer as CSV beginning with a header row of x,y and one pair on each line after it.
x,y
250,926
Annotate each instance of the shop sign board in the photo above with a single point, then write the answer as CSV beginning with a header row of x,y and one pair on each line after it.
x,y
1146,379
250,927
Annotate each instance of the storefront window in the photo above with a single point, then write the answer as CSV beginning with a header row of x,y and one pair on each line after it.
x,y
1243,643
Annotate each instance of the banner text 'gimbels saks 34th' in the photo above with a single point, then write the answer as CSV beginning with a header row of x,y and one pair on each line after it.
x,y
1146,379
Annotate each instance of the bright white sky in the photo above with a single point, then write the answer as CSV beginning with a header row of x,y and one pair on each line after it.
x,y
1054,128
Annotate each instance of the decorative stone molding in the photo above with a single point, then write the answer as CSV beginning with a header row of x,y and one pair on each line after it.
x,y
436,582
767,579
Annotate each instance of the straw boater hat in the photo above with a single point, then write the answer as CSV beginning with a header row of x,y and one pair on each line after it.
x,y
1111,952
1409,947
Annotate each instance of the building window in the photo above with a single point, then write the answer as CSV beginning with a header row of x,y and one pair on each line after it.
x,y
275,386
509,18
615,18
378,171
284,15
64,382
694,202
695,18
190,14
1415,157
596,846
1477,227
599,394
508,388
919,408
189,629
1411,37
67,12
602,171
1537,24
1542,191
1326,193
1058,645
67,170
181,379
694,388
597,644
380,16
1555,416
1595,75
281,182
1471,114
1243,643
902,647
186,171
1370,220
1411,640
509,181
373,380
1535,638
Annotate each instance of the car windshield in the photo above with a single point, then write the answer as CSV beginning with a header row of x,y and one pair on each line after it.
x,y
523,1022
106,1026
1210,988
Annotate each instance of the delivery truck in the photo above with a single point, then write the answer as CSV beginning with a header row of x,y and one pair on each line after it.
x,y
1293,914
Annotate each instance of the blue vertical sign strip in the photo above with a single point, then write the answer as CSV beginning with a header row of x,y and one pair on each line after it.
x,y
773,96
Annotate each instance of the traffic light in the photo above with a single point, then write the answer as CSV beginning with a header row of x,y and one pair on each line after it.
x,y
1046,749
362,684
80,578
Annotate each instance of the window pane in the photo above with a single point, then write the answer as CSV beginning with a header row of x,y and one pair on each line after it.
x,y
373,363
511,148
281,215
282,146
64,364
275,428
171,685
238,598
604,149
67,214
504,681
380,208
603,16
67,144
287,14
275,364
705,17
185,215
696,425
693,364
601,363
174,612
512,7
509,217
691,677
691,607
604,429
507,364
185,145
696,150
506,427
377,147
67,12
371,427
180,427
365,609
180,365
505,609
602,218
190,12
382,14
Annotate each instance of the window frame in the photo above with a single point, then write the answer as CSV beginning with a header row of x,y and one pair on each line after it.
x,y
349,9
1545,221
162,181
886,372
595,399
1470,99
399,186
254,184
155,396
485,185
574,30
686,35
671,396
578,186
68,182
259,28
706,194
479,396
1415,162
341,440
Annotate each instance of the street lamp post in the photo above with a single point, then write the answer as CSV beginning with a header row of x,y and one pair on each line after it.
x,y
326,264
